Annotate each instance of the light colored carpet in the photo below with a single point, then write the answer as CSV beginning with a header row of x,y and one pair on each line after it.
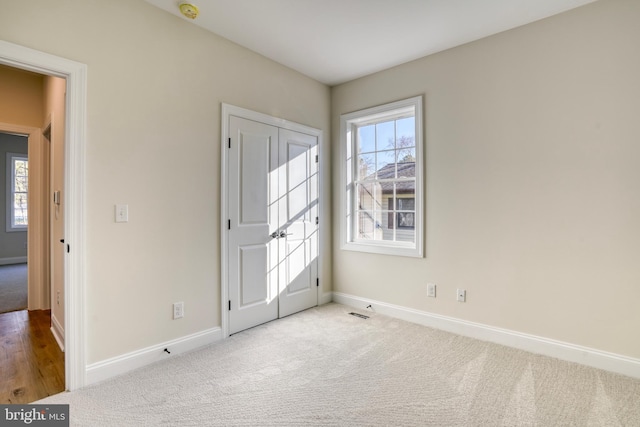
x,y
13,287
324,367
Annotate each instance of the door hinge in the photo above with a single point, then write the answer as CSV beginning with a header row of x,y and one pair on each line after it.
x,y
229,225
316,158
317,220
229,305
68,248
229,142
317,282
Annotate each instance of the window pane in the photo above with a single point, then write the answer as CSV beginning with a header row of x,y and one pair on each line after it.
x,y
385,136
405,218
405,132
367,225
405,141
405,204
20,167
21,184
366,166
366,139
386,166
407,155
20,201
388,228
21,218
369,196
406,167
406,189
20,209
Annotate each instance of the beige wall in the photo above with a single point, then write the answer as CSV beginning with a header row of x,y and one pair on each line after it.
x,y
54,115
532,180
155,85
20,96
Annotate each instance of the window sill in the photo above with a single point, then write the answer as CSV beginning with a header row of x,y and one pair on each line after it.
x,y
381,248
17,230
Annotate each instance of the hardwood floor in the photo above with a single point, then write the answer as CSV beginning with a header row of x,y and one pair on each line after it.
x,y
31,362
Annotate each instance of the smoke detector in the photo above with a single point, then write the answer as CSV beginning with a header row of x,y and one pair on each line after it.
x,y
189,10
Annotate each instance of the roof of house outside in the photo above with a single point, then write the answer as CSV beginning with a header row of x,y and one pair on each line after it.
x,y
405,170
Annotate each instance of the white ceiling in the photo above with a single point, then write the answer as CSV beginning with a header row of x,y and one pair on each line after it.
x,y
334,41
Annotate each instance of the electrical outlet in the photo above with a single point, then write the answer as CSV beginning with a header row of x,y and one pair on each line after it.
x,y
178,310
462,295
431,290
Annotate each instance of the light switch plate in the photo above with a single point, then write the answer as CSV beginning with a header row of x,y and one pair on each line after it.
x,y
122,213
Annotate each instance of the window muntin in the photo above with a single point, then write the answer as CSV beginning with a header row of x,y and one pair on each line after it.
x,y
382,149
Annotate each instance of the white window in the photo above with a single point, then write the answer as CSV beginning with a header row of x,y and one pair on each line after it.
x,y
17,192
382,170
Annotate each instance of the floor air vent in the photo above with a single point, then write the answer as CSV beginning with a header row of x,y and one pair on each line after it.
x,y
362,316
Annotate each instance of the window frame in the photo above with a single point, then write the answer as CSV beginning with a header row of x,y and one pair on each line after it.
x,y
10,214
348,169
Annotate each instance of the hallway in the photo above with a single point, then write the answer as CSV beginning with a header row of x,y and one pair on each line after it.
x,y
13,287
31,362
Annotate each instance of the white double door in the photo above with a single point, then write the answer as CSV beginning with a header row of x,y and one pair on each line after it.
x,y
273,232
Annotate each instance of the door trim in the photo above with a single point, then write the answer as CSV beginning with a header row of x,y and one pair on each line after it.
x,y
231,110
75,74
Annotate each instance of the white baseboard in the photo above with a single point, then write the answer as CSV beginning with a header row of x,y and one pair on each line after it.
x,y
118,365
548,347
13,260
325,298
58,331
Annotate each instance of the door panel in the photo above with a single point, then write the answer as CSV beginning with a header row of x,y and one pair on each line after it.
x,y
297,259
254,168
253,269
253,165
299,263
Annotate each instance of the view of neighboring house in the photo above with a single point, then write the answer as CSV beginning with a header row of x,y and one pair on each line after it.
x,y
387,207
386,184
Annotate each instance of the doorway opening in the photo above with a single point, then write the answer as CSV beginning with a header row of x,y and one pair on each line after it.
x,y
73,217
33,325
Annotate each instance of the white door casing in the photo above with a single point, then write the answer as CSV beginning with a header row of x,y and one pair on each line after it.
x,y
270,205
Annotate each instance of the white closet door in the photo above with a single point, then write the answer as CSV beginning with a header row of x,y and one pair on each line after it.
x,y
253,214
298,249
273,235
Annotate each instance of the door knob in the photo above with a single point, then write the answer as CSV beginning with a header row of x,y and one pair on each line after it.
x,y
274,235
283,234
